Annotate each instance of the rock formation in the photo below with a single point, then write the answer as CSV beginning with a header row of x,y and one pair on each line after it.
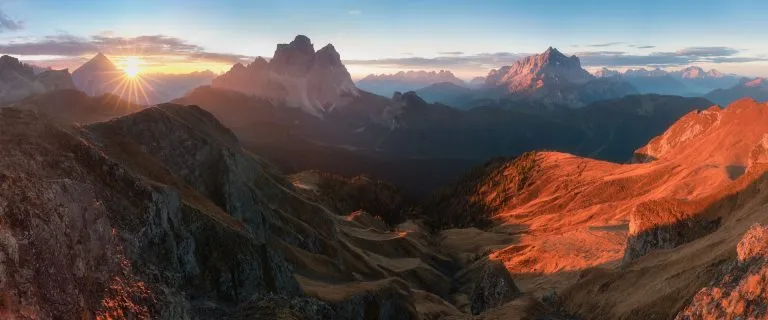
x,y
297,76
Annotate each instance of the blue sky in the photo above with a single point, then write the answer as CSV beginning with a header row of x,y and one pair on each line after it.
x,y
381,36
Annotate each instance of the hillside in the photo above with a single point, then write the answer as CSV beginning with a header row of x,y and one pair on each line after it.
x,y
592,230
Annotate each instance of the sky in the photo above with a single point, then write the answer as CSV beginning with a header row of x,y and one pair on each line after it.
x,y
383,36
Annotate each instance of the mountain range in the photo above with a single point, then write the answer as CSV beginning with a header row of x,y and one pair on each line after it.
x,y
283,191
753,88
689,81
387,84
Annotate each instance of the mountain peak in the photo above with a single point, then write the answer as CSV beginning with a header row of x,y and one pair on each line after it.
x,y
300,44
328,55
551,69
99,62
552,53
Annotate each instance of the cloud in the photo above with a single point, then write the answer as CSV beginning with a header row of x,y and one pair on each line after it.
x,y
642,46
6,23
708,51
451,53
606,44
68,46
608,58
355,12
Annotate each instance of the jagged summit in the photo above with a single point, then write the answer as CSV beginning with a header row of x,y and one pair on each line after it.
x,y
296,76
550,68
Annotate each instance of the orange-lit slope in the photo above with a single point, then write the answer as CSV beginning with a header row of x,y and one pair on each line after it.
x,y
578,213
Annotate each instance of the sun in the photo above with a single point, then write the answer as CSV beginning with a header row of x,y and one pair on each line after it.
x,y
131,67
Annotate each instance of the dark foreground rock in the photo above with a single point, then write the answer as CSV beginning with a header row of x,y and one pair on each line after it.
x,y
493,288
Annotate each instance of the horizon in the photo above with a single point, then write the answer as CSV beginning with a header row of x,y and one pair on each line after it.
x,y
468,39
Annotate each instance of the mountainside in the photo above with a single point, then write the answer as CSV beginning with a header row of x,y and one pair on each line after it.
x,y
297,76
659,84
754,88
387,84
555,80
593,230
75,106
123,223
18,80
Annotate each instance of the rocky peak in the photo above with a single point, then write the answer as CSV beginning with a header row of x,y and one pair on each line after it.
x,y
296,76
328,56
409,98
692,72
551,68
12,65
605,73
98,62
757,83
715,74
293,58
237,67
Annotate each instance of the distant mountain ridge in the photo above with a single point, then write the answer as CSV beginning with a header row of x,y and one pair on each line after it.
x,y
387,84
753,88
689,81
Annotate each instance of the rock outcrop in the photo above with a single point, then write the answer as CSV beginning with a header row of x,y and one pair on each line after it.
x,y
493,288
740,290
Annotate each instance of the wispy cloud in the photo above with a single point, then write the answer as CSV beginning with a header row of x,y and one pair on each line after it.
x,y
69,46
642,46
451,53
606,44
708,51
8,24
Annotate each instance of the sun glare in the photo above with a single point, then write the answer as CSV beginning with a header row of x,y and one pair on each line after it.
x,y
131,67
